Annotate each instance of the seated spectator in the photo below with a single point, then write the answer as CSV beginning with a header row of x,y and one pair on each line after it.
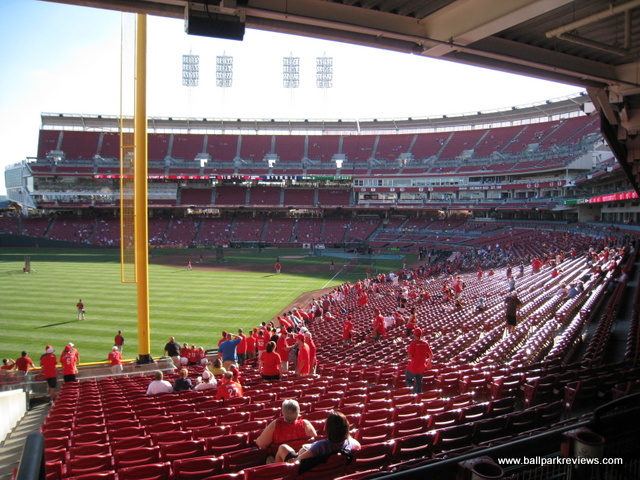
x,y
184,353
338,440
217,368
207,382
194,356
159,385
202,357
290,429
229,388
183,382
235,372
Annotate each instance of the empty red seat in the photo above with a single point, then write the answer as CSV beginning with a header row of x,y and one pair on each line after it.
x,y
225,444
153,471
274,471
374,433
197,468
413,446
237,460
136,456
89,464
110,475
181,449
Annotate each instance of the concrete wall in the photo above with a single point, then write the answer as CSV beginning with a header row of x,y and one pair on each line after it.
x,y
13,405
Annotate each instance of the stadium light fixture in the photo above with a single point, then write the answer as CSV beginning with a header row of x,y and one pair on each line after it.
x,y
324,72
190,70
291,72
224,71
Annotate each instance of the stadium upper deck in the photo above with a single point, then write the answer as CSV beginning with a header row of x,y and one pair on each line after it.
x,y
521,154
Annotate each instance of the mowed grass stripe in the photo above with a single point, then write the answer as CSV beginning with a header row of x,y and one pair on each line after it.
x,y
195,306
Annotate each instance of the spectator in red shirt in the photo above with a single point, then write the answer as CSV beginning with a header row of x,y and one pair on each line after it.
x,y
24,363
68,359
49,364
193,355
8,364
270,363
261,342
303,364
313,361
241,348
419,352
378,326
201,356
290,429
251,345
228,388
347,329
115,358
118,341
184,352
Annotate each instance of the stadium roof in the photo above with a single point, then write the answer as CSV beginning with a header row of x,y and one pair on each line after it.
x,y
543,111
589,43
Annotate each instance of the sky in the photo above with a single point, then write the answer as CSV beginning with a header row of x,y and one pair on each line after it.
x,y
67,59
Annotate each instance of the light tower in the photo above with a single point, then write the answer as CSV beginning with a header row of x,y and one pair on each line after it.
x,y
291,77
291,72
324,72
190,70
224,71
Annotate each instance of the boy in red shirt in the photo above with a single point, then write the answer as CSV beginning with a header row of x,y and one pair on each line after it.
x,y
49,364
420,356
228,388
68,359
115,357
347,329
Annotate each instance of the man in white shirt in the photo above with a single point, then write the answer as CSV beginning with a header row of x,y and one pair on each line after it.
x,y
159,385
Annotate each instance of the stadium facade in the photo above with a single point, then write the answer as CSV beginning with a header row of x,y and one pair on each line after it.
x,y
542,162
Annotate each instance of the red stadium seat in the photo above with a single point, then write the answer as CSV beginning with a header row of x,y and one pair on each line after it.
x,y
374,434
374,455
181,449
89,437
247,427
332,468
89,464
197,468
136,456
240,459
131,442
225,444
110,475
212,431
170,437
90,449
274,471
152,471
127,432
412,446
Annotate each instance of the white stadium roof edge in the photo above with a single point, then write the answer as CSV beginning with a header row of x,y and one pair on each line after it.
x,y
517,115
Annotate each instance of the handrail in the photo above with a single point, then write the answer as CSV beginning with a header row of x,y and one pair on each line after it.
x,y
32,465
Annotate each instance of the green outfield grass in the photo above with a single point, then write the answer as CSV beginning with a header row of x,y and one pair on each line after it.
x,y
194,306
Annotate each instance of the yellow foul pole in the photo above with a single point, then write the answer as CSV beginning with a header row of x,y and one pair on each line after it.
x,y
141,208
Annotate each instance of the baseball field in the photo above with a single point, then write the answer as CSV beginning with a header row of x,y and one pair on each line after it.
x,y
223,291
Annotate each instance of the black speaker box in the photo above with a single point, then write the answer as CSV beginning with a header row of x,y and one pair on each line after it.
x,y
214,25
